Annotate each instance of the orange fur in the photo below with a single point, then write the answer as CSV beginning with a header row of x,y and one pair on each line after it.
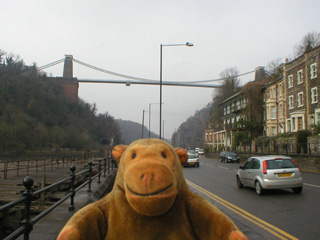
x,y
150,200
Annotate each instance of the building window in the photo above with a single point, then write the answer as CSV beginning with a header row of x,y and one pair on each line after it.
x,y
313,70
300,76
290,102
314,95
280,90
300,127
280,111
273,131
273,112
300,99
288,125
272,93
290,81
293,124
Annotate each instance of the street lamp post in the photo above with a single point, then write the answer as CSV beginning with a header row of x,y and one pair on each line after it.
x,y
166,45
150,117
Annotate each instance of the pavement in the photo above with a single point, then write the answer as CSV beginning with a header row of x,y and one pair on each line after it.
x,y
49,227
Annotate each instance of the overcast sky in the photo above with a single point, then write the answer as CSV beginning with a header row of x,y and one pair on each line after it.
x,y
124,36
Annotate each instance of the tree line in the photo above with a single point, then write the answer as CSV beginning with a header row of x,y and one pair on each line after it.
x,y
35,115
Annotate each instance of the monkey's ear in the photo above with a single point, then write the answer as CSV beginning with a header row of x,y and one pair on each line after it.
x,y
182,154
117,152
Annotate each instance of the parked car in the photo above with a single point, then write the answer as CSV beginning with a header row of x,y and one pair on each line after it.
x,y
270,172
200,152
193,160
229,157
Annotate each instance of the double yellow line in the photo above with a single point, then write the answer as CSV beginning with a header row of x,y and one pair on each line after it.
x,y
266,226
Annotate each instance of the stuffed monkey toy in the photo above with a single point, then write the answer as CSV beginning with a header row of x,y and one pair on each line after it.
x,y
150,200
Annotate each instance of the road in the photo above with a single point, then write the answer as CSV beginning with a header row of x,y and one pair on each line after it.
x,y
280,214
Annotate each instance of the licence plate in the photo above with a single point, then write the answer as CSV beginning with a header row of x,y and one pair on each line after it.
x,y
191,163
285,174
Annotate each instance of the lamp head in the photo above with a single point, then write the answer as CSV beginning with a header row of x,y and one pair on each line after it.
x,y
189,44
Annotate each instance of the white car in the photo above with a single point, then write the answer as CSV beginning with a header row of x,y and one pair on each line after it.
x,y
193,160
270,172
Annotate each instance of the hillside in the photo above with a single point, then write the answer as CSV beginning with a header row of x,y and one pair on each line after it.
x,y
36,116
190,133
131,131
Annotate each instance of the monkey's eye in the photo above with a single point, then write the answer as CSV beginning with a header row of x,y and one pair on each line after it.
x,y
163,155
133,155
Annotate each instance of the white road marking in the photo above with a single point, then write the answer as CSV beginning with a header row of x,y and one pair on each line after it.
x,y
311,185
223,167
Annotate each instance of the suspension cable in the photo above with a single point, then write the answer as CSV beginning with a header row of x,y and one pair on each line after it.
x,y
51,64
137,78
151,80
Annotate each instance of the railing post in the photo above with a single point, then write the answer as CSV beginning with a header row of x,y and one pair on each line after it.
x,y
309,149
28,167
90,176
27,182
104,166
5,167
72,190
112,164
18,163
109,162
99,171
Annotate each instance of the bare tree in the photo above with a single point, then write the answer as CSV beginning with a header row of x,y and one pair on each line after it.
x,y
308,42
274,68
230,85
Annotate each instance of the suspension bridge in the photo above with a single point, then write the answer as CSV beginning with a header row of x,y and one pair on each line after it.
x,y
126,79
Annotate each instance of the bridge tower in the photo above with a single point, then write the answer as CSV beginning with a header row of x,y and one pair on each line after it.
x,y
69,84
68,67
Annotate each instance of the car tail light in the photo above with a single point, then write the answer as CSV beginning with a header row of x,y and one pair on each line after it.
x,y
197,160
264,167
295,163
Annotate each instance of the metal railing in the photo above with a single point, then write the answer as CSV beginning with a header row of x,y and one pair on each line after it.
x,y
16,167
287,149
28,196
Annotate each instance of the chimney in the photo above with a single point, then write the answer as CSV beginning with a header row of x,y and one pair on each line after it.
x,y
260,74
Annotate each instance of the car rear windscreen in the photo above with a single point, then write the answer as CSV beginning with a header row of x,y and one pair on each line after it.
x,y
280,163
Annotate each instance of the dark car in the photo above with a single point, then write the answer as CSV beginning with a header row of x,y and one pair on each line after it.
x,y
229,157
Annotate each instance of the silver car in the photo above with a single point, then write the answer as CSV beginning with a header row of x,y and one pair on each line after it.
x,y
270,172
193,160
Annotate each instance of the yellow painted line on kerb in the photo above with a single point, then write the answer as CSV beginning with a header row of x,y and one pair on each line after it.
x,y
266,226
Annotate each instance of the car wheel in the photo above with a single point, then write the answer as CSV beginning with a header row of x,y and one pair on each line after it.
x,y
238,161
220,159
297,190
259,189
239,183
